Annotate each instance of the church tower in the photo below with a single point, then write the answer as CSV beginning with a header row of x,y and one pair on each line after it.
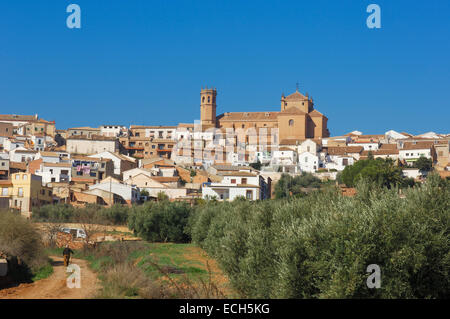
x,y
208,107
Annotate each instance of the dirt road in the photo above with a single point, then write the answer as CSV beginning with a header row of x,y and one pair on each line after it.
x,y
55,286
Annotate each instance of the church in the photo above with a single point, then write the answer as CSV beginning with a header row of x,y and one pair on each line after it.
x,y
297,119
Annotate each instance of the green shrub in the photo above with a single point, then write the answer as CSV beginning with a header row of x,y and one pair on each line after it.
x,y
161,221
95,214
20,241
320,245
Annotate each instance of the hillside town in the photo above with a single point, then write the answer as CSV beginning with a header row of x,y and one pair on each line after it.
x,y
221,156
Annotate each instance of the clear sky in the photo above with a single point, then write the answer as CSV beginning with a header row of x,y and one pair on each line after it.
x,y
144,61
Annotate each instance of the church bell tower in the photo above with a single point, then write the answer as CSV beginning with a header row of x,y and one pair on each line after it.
x,y
208,107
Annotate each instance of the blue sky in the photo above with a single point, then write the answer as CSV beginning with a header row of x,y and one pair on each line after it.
x,y
144,62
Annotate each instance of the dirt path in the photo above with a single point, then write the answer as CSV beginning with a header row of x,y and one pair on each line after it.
x,y
217,276
55,286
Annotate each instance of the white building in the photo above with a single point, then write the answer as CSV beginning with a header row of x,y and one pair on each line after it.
x,y
412,173
393,135
308,146
121,162
308,162
368,146
412,151
338,162
161,132
284,156
129,193
22,154
53,157
38,142
113,130
236,184
94,145
9,144
55,172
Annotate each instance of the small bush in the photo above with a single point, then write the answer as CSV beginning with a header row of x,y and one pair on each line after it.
x,y
161,221
20,241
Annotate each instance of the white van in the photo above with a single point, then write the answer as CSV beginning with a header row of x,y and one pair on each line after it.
x,y
75,232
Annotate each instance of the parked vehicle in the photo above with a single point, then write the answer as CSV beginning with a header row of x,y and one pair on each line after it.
x,y
75,232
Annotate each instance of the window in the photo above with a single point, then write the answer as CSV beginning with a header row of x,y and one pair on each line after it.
x,y
17,177
309,148
244,181
5,191
291,122
233,181
249,194
20,193
25,177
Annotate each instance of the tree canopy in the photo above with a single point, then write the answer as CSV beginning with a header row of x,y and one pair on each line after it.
x,y
381,171
292,186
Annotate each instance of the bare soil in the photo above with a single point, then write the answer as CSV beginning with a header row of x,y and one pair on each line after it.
x,y
55,286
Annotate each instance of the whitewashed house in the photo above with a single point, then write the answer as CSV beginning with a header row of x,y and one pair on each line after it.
x,y
284,156
308,162
237,184
21,154
55,172
412,151
130,193
121,162
368,146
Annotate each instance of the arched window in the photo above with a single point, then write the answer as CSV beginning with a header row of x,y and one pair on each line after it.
x,y
209,99
291,122
203,99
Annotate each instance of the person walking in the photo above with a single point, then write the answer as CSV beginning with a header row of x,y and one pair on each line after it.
x,y
66,253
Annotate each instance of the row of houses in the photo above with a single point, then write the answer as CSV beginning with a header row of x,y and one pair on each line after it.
x,y
113,164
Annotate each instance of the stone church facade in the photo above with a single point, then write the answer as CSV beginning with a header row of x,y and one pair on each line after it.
x,y
297,119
